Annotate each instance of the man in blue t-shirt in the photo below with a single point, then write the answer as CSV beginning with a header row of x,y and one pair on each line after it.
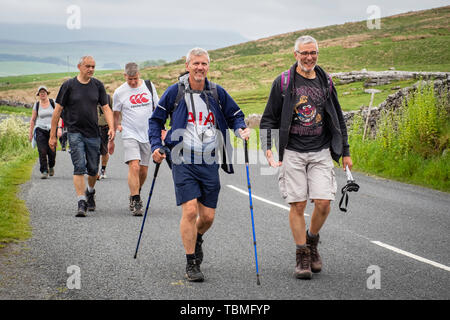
x,y
78,97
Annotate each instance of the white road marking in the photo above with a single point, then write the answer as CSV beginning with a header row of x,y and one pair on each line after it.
x,y
261,199
405,253
379,243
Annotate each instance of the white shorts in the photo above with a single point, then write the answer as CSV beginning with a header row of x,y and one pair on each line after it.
x,y
308,175
135,150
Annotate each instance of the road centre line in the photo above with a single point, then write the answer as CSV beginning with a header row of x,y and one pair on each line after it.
x,y
379,243
410,255
261,199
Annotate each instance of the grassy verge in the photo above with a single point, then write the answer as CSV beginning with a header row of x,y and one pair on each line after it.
x,y
14,215
410,146
20,111
16,162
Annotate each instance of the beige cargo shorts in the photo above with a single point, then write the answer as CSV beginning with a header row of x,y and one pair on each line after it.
x,y
306,176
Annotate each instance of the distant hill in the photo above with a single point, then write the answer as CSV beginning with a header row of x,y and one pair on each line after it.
x,y
413,41
110,46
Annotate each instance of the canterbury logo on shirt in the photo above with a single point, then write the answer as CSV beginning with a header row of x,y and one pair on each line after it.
x,y
138,98
202,121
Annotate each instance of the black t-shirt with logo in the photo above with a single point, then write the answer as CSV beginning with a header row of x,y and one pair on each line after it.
x,y
80,105
308,132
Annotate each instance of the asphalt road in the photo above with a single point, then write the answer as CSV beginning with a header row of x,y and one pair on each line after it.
x,y
392,244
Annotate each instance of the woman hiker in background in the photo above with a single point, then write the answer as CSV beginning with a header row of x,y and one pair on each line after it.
x,y
40,124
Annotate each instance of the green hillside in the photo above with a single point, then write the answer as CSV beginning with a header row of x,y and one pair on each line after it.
x,y
414,41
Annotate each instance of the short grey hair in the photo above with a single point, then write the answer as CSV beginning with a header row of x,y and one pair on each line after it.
x,y
131,69
305,40
84,58
196,52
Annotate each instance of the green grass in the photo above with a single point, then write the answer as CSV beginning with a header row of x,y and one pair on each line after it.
x,y
20,111
411,145
14,215
16,162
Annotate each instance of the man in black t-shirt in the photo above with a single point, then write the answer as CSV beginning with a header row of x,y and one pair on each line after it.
x,y
79,97
304,108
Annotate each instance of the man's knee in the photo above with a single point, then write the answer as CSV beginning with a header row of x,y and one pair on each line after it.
x,y
322,206
134,166
298,207
190,210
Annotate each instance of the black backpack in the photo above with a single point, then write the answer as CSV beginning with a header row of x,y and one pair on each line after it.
x,y
149,85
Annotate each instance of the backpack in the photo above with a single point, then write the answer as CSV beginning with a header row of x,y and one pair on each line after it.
x,y
101,118
286,77
182,90
52,103
149,85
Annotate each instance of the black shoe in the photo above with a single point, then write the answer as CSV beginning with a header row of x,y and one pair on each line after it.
x,y
90,200
82,207
198,252
136,206
193,272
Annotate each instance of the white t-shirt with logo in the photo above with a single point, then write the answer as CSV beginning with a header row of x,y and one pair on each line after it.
x,y
200,133
136,106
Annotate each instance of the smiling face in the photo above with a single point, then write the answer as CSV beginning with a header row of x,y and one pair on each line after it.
x,y
198,67
305,57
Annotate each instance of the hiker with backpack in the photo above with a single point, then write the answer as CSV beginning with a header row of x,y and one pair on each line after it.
x,y
200,114
303,108
78,97
135,101
40,125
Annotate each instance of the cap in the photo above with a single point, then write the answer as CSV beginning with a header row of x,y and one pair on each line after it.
x,y
42,88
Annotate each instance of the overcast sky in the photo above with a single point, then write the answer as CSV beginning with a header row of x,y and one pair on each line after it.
x,y
253,19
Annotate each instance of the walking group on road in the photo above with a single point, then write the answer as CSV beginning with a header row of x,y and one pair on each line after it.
x,y
302,112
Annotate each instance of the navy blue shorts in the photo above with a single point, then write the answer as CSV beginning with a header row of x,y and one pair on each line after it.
x,y
196,181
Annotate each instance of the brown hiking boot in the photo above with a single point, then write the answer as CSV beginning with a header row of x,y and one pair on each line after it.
x,y
316,260
303,267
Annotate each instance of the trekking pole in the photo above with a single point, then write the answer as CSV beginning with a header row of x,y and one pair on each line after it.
x,y
161,151
251,209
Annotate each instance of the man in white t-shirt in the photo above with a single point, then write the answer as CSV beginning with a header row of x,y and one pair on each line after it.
x,y
135,100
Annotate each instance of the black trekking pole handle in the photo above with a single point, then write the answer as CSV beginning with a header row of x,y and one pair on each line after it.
x,y
246,150
161,152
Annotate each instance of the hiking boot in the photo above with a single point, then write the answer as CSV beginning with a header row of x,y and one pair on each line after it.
x,y
51,172
193,272
303,267
82,207
90,196
136,206
316,260
130,198
44,175
198,252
